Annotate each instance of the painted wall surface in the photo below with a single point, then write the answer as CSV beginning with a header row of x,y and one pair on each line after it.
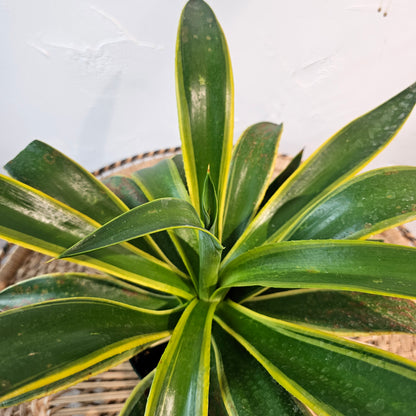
x,y
96,78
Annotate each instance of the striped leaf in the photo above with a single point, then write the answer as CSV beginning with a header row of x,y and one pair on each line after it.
x,y
163,180
158,215
204,88
348,313
181,382
366,205
32,219
252,165
38,163
70,285
67,340
126,189
245,386
362,266
339,158
136,403
331,375
282,178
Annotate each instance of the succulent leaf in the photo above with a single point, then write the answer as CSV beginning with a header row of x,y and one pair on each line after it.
x,y
363,206
38,222
136,403
282,178
126,189
331,375
158,215
70,339
161,181
70,285
181,383
204,88
274,311
364,266
252,164
72,184
241,377
348,313
343,155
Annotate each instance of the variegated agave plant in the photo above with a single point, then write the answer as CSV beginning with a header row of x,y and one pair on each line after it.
x,y
255,283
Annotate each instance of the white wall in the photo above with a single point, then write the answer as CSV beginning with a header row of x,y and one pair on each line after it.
x,y
96,78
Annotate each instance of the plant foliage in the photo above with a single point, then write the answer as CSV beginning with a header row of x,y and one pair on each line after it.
x,y
258,284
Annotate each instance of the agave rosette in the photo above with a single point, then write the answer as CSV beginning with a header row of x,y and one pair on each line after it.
x,y
258,284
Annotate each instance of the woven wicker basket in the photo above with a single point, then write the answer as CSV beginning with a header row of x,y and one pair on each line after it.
x,y
105,394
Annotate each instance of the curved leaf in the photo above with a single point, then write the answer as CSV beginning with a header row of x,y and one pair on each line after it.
x,y
282,178
75,187
136,403
209,203
163,180
34,220
330,375
363,266
158,215
337,159
247,389
69,285
251,167
210,259
205,99
216,405
71,184
178,160
64,339
181,382
348,313
126,189
363,206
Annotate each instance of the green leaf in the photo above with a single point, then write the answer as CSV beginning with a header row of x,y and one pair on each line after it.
x,y
209,204
246,387
349,313
363,206
69,285
34,220
163,180
252,165
216,405
331,375
64,339
363,266
178,160
44,168
126,189
205,99
282,178
181,382
335,161
136,403
158,215
76,187
210,259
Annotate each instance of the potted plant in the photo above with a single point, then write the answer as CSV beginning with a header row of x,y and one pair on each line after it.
x,y
255,283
